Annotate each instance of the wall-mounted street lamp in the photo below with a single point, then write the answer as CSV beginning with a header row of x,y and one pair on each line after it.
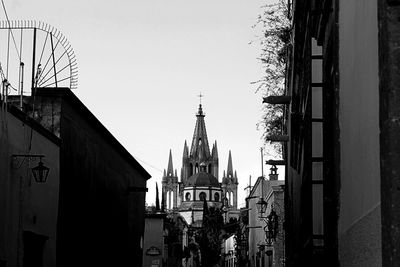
x,y
271,221
261,206
39,172
271,228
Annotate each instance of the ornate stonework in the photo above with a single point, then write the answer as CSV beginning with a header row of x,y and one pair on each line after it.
x,y
199,178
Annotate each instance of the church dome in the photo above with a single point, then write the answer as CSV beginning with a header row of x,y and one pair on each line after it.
x,y
202,179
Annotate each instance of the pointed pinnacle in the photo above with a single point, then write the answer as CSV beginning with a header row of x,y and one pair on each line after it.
x,y
185,150
230,169
215,153
170,170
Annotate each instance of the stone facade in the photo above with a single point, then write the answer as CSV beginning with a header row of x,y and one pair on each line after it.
x,y
101,195
342,172
199,178
260,253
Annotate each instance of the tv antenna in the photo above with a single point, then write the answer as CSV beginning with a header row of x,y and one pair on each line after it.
x,y
41,48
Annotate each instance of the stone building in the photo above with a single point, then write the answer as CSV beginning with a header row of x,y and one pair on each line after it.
x,y
199,179
28,207
260,251
95,201
342,198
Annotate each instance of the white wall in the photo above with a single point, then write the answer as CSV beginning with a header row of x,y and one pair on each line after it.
x,y
359,219
24,204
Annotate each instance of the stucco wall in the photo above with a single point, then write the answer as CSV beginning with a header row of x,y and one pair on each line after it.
x,y
359,218
154,227
273,193
100,221
24,204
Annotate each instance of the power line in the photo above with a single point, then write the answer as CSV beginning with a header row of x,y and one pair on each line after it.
x,y
148,164
9,28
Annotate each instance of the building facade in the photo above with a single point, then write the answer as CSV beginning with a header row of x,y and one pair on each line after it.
x,y
261,253
28,210
199,179
341,204
97,198
153,245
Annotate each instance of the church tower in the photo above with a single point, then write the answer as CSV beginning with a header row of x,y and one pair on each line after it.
x,y
199,179
170,185
199,154
230,184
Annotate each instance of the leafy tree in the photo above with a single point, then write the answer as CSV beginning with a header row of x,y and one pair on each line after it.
x,y
210,235
274,40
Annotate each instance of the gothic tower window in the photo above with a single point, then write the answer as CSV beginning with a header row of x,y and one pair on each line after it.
x,y
168,199
172,200
216,197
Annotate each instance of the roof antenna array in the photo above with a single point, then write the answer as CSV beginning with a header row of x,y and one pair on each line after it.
x,y
45,50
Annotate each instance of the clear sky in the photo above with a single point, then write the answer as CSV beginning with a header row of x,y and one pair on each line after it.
x,y
142,64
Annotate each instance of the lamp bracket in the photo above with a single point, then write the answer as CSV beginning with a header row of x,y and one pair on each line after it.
x,y
25,156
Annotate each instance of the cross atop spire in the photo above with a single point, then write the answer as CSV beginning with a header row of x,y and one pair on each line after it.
x,y
200,96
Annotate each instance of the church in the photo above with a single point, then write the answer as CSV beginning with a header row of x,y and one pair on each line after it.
x,y
199,179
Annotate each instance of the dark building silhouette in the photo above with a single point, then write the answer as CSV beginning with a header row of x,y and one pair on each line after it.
x,y
342,198
101,186
28,209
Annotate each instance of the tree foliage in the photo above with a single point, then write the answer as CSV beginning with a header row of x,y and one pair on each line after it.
x,y
210,236
274,40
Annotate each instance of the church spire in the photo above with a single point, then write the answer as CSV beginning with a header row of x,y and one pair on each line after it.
x,y
229,171
170,170
215,151
200,148
185,151
157,199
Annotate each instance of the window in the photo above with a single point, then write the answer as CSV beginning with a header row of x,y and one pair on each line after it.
x,y
187,197
216,197
202,196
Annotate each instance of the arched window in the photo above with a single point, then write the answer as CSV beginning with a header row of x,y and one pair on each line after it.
x,y
202,196
209,168
187,196
216,197
172,200
231,198
168,199
191,170
196,168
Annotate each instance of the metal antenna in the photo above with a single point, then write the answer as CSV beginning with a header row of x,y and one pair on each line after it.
x,y
59,66
249,187
262,163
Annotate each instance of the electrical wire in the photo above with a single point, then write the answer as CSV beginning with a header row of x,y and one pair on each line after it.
x,y
148,164
10,30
